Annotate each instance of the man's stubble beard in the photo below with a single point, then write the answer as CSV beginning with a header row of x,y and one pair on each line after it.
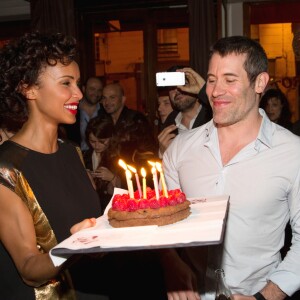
x,y
184,104
92,103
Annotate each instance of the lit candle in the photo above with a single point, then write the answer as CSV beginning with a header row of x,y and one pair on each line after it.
x,y
122,164
132,169
151,163
155,181
129,184
143,172
127,175
162,179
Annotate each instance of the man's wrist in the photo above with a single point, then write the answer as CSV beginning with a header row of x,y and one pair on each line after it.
x,y
259,296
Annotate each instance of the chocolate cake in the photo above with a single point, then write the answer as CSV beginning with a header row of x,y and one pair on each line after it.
x,y
127,212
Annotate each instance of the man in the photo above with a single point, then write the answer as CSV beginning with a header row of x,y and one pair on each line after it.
x,y
188,112
89,108
240,152
131,126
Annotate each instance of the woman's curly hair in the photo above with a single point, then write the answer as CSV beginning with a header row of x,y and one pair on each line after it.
x,y
21,63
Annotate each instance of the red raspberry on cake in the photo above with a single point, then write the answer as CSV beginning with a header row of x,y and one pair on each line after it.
x,y
151,211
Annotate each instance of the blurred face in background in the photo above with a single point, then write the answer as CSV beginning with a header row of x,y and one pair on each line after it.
x,y
164,107
274,109
182,101
93,91
113,100
99,145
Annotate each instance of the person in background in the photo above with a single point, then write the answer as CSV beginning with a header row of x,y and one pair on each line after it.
x,y
277,107
189,110
131,144
165,109
130,126
240,153
45,192
89,108
97,159
296,128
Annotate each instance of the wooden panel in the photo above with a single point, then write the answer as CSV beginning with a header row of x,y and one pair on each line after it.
x,y
14,10
128,4
275,12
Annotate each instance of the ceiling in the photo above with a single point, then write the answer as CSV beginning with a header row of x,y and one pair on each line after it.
x,y
11,10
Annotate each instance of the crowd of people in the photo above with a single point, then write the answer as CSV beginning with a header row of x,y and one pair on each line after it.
x,y
61,144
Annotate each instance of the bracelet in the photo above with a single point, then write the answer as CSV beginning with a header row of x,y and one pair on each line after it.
x,y
259,296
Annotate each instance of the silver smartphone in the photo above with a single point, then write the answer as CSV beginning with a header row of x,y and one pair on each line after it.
x,y
170,78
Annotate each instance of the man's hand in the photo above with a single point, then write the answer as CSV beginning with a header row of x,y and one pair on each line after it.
x,y
165,138
195,81
271,291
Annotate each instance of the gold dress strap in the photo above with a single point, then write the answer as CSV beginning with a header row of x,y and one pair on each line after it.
x,y
80,155
60,287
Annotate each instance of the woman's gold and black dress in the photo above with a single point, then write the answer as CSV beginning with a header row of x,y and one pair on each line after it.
x,y
58,193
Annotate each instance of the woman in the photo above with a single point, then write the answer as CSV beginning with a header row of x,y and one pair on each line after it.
x,y
44,187
276,105
99,132
165,109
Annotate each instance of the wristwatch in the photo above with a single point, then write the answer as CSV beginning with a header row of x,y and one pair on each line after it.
x,y
259,296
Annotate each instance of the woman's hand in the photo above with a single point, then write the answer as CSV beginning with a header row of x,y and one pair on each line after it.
x,y
104,174
86,223
181,283
180,280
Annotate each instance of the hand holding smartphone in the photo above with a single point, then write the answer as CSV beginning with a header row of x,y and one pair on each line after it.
x,y
170,78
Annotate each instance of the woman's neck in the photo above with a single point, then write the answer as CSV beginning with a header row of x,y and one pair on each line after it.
x,y
38,138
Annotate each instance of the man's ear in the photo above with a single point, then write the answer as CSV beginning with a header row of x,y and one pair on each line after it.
x,y
261,82
123,99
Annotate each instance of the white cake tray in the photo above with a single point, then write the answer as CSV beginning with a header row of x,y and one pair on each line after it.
x,y
205,226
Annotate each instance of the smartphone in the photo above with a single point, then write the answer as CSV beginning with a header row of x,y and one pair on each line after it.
x,y
170,78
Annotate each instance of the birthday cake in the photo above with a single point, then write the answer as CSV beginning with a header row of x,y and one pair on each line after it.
x,y
128,212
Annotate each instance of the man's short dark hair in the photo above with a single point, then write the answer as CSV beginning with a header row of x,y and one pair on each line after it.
x,y
175,67
256,61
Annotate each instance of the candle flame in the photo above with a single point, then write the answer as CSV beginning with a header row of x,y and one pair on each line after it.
x,y
132,169
143,172
151,163
128,174
153,170
122,164
158,166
